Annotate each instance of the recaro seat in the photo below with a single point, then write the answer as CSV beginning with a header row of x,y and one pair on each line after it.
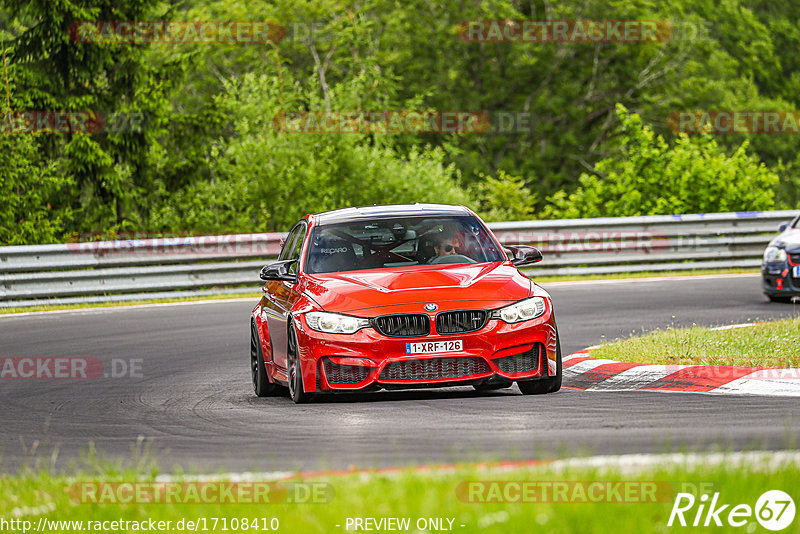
x,y
332,254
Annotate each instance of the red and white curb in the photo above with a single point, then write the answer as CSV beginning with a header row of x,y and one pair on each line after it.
x,y
583,372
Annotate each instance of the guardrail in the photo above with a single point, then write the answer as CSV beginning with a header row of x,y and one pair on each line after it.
x,y
194,266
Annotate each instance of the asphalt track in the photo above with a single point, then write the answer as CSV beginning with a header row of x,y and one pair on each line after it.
x,y
193,406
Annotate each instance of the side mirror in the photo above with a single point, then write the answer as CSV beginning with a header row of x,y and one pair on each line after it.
x,y
278,271
524,255
783,227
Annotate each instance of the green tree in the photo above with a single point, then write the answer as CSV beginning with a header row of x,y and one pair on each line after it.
x,y
503,198
264,179
197,149
27,182
651,177
110,172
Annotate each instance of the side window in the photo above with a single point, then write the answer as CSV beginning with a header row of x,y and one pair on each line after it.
x,y
297,247
287,245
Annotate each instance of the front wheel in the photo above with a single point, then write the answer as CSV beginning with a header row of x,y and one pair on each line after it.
x,y
295,371
544,385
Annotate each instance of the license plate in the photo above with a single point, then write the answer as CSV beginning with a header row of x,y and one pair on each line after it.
x,y
796,271
430,347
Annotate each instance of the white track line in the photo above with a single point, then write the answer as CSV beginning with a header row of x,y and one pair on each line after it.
x,y
247,476
101,309
649,279
733,326
623,463
633,463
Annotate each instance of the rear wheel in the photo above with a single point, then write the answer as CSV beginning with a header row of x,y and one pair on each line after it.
x,y
777,298
544,385
261,384
294,371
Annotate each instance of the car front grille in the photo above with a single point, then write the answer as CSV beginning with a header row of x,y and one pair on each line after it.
x,y
520,363
344,374
403,325
461,321
434,369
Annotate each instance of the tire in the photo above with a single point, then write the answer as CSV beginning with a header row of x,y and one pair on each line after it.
x,y
544,385
294,371
776,298
262,387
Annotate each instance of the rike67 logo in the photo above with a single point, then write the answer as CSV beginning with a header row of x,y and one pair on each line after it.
x,y
774,510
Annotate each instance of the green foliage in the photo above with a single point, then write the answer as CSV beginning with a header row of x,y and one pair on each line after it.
x,y
503,198
787,193
109,172
26,183
265,179
208,160
651,177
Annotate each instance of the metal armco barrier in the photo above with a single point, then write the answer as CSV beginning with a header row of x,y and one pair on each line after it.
x,y
192,266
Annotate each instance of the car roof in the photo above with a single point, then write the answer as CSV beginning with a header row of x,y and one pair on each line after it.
x,y
388,212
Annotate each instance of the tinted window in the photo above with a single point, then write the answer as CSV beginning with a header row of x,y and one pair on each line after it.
x,y
287,245
382,243
297,247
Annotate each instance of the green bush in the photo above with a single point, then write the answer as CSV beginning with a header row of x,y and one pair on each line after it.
x,y
503,198
27,184
650,177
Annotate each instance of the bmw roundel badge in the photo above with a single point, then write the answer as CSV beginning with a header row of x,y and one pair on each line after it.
x,y
431,307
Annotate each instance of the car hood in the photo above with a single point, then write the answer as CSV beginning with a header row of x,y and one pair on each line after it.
x,y
371,292
790,239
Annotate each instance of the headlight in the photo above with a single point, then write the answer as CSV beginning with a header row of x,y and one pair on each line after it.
x,y
523,310
773,254
334,323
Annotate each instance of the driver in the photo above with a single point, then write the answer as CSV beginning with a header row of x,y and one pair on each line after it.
x,y
443,246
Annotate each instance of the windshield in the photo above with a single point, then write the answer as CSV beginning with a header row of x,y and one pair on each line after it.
x,y
381,243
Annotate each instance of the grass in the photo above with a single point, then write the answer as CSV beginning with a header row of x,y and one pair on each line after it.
x,y
773,344
256,294
422,495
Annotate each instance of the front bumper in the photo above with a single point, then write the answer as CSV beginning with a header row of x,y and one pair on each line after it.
x,y
778,280
498,352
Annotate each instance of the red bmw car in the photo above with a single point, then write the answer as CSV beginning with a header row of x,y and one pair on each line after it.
x,y
387,297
